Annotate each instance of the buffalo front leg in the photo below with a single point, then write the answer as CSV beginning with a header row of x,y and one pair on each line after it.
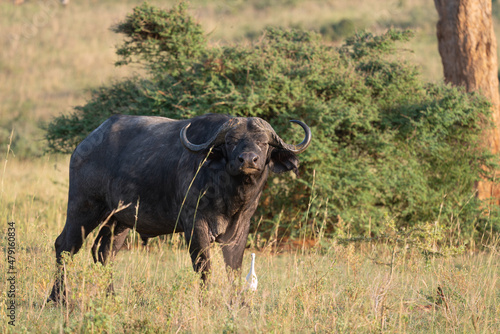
x,y
199,250
233,255
233,258
233,245
233,249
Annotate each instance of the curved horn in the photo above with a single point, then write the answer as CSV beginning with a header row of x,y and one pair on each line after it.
x,y
305,143
277,141
217,139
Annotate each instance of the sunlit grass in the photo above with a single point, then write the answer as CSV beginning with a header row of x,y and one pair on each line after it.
x,y
329,288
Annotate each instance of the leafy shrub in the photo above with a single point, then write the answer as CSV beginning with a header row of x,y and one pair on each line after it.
x,y
386,145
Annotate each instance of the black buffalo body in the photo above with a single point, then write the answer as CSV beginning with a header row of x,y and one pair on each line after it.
x,y
202,176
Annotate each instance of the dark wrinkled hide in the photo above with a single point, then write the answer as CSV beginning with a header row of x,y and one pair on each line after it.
x,y
140,160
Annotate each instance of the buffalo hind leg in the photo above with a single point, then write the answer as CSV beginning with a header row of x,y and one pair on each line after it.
x,y
108,242
81,220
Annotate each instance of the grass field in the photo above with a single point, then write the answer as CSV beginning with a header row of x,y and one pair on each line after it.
x,y
362,288
52,55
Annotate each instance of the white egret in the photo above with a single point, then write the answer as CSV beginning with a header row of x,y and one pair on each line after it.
x,y
252,280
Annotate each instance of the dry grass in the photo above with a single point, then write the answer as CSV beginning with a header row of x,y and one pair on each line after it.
x,y
332,288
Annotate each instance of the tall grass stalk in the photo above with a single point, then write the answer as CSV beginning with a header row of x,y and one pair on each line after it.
x,y
6,159
190,186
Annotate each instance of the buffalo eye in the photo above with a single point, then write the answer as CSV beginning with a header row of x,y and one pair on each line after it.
x,y
217,153
262,145
231,141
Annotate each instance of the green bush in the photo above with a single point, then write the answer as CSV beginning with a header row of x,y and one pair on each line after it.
x,y
386,145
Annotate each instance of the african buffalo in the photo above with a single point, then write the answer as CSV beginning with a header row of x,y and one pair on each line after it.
x,y
207,190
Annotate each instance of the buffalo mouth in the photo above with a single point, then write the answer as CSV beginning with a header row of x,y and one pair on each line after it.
x,y
249,170
242,170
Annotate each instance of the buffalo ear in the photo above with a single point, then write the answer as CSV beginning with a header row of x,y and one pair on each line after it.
x,y
283,161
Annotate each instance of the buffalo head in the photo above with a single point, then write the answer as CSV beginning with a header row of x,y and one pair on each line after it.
x,y
249,144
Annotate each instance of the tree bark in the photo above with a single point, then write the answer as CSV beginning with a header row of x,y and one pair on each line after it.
x,y
468,49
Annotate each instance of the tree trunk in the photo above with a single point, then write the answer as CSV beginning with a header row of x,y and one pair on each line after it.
x,y
468,49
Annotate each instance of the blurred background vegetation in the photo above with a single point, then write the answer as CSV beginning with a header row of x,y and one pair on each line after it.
x,y
52,55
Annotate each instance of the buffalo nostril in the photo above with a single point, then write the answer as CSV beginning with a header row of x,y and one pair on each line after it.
x,y
249,158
